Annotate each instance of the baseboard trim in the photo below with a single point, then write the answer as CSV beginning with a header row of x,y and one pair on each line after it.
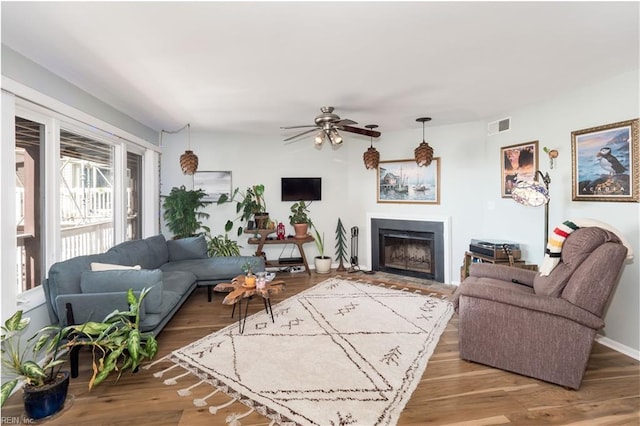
x,y
618,347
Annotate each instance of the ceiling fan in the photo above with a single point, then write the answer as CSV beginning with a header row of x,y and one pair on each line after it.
x,y
328,125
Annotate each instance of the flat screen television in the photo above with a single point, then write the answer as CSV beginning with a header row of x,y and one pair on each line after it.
x,y
301,188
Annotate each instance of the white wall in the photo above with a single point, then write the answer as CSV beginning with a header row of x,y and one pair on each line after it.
x,y
470,178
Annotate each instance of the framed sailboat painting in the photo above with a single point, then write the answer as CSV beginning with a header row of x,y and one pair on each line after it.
x,y
404,182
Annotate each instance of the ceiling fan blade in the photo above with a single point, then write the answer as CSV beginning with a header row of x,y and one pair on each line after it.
x,y
298,127
344,122
300,134
366,132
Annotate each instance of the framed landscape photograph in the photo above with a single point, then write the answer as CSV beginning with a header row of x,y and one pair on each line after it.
x,y
213,183
604,163
518,163
403,181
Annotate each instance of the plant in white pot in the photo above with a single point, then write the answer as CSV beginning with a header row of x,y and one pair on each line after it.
x,y
321,262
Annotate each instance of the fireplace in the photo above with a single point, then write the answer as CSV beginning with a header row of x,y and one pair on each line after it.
x,y
408,247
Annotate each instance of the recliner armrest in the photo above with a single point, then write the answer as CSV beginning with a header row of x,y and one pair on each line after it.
x,y
502,272
550,305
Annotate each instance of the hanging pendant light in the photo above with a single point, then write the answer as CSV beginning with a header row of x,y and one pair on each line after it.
x,y
371,157
423,153
189,160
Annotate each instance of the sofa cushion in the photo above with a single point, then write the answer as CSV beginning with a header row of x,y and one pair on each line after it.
x,y
123,280
97,266
64,277
178,281
215,268
134,252
158,252
187,248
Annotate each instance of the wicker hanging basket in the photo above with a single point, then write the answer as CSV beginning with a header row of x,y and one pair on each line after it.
x,y
371,158
189,162
423,154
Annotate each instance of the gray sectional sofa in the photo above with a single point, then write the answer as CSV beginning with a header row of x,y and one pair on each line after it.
x,y
172,268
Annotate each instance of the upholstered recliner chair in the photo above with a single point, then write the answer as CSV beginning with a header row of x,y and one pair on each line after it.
x,y
541,326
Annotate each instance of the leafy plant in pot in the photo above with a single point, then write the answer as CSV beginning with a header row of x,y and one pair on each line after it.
x,y
182,211
117,344
299,218
249,204
321,262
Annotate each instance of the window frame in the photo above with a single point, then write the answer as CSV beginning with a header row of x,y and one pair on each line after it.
x,y
19,100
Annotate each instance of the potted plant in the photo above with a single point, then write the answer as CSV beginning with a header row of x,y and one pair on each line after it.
x,y
117,344
182,211
221,245
322,262
45,387
249,204
299,218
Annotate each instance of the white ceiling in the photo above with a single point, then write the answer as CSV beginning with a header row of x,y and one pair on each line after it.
x,y
256,66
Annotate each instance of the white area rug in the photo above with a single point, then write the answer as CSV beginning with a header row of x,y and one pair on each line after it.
x,y
343,352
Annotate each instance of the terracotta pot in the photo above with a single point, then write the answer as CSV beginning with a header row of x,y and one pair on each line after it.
x,y
261,220
301,230
47,400
322,264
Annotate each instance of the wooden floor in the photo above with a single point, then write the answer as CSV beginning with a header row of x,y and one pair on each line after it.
x,y
451,391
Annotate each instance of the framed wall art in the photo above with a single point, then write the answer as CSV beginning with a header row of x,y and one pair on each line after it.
x,y
604,163
213,183
518,163
403,181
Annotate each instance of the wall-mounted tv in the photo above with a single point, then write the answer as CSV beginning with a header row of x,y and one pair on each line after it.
x,y
301,188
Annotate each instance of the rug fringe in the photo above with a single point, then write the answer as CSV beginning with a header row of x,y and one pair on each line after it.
x,y
174,381
214,409
148,366
159,374
187,391
201,402
233,419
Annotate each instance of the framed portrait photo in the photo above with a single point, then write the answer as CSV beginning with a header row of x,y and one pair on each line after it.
x,y
404,182
604,163
518,163
213,183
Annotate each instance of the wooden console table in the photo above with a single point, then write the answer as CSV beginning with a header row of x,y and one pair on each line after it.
x,y
470,258
262,240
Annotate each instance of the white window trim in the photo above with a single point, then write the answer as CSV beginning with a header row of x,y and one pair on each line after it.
x,y
18,99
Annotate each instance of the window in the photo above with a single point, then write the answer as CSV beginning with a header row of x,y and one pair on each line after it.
x,y
134,196
86,195
29,166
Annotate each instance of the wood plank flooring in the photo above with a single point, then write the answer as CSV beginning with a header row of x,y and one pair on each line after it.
x,y
451,391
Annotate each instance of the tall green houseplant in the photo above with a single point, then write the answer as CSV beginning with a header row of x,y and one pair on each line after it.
x,y
249,204
183,211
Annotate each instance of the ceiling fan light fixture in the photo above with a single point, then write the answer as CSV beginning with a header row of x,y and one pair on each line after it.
x,y
423,153
319,139
371,156
335,137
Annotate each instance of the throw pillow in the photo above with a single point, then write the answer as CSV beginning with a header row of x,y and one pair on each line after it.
x,y
97,266
122,280
187,248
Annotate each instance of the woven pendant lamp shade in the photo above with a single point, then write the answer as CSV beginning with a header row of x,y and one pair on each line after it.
x,y
371,158
189,162
423,154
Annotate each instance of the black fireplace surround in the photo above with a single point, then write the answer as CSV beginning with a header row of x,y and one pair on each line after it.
x,y
426,242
